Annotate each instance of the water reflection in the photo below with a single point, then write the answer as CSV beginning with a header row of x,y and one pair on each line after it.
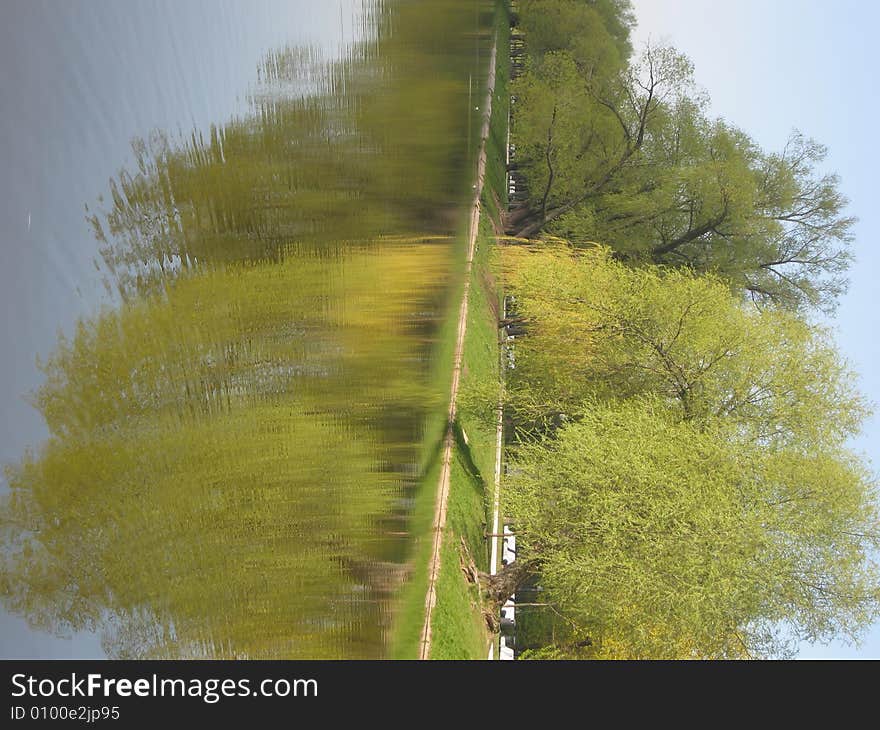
x,y
234,447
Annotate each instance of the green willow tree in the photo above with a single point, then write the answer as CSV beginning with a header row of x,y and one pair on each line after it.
x,y
233,452
682,484
657,537
598,328
597,33
620,108
626,155
332,154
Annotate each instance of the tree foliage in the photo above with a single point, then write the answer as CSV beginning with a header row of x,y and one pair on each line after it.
x,y
682,483
598,328
668,538
626,154
330,153
597,33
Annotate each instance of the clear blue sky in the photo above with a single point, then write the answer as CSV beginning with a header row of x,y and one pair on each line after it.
x,y
773,65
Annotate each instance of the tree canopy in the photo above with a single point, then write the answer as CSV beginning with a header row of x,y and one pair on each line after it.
x,y
682,484
597,33
625,153
598,328
659,537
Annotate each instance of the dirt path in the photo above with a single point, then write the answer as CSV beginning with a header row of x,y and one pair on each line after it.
x,y
443,485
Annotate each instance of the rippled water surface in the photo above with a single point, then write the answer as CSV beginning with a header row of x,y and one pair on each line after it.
x,y
231,237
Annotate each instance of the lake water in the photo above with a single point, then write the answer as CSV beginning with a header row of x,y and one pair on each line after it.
x,y
231,235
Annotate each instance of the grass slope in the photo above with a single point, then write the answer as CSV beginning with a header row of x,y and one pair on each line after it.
x,y
458,628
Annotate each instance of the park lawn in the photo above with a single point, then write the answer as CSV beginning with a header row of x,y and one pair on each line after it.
x,y
458,629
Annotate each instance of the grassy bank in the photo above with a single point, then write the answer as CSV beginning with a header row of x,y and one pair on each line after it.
x,y
458,628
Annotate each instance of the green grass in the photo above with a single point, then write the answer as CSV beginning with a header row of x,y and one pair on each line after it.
x,y
457,627
458,630
496,144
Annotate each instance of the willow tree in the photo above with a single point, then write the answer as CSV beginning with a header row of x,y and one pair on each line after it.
x,y
773,225
622,109
597,32
598,328
657,537
330,153
629,156
682,484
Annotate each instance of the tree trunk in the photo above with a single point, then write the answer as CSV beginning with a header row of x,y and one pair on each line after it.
x,y
550,171
501,586
516,216
531,227
691,235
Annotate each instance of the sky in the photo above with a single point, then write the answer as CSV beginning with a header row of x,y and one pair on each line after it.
x,y
771,66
